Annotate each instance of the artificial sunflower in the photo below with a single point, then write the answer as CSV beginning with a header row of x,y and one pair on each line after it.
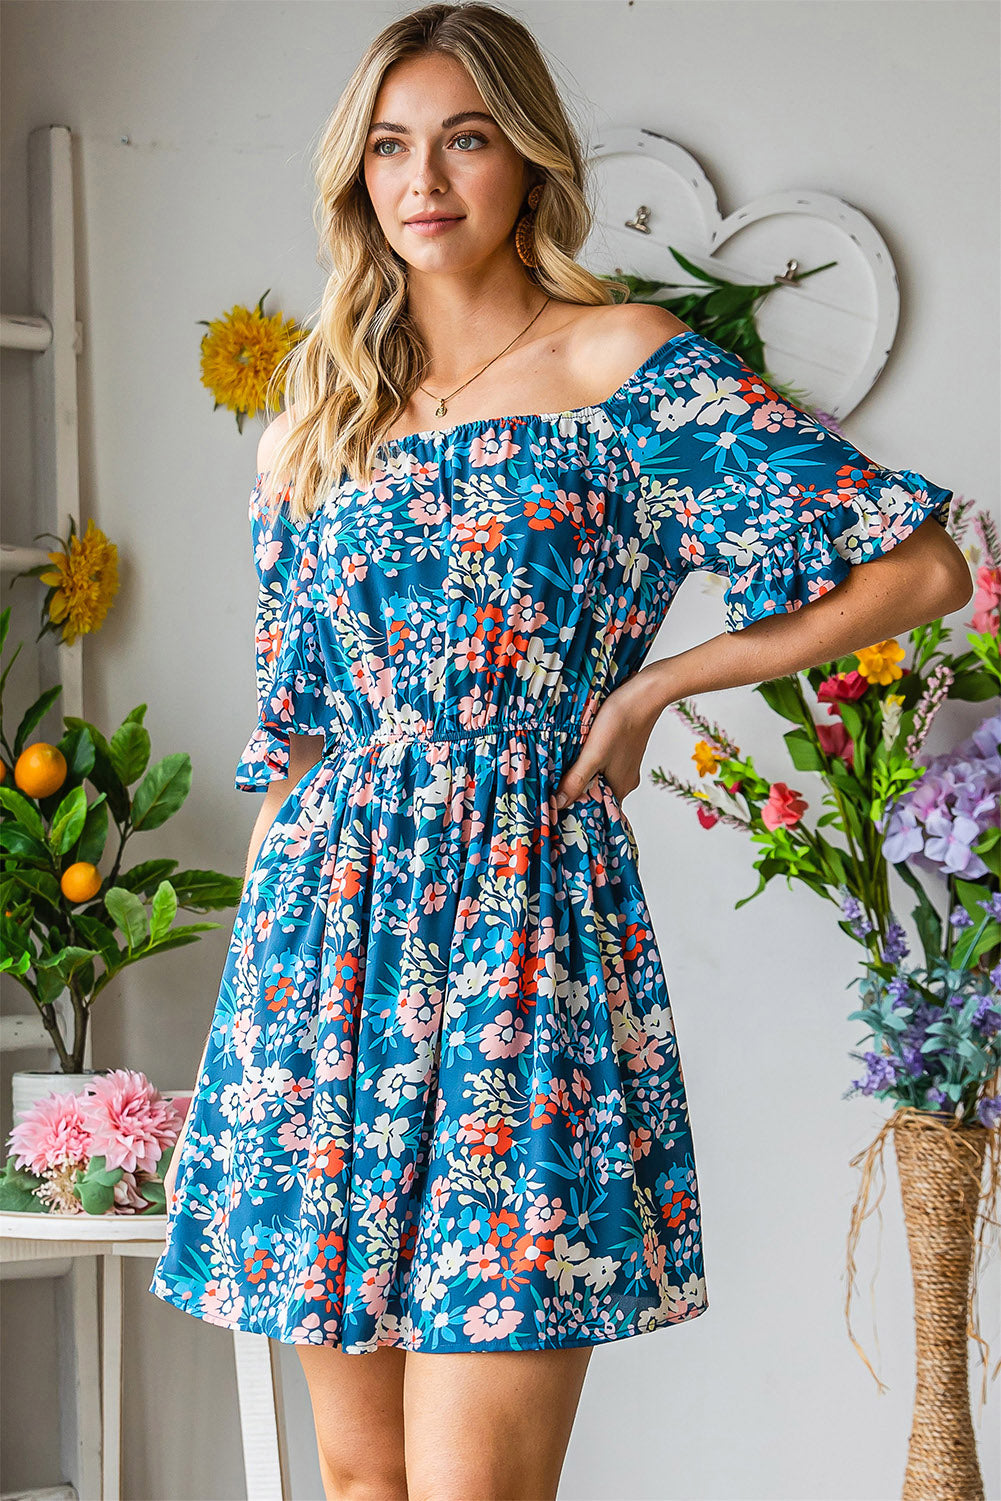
x,y
240,353
82,583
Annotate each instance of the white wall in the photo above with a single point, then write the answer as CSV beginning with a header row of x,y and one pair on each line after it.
x,y
207,202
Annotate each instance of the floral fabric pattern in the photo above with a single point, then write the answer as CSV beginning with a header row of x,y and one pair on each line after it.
x,y
442,1104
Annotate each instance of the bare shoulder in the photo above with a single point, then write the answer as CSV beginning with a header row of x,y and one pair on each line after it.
x,y
269,440
613,341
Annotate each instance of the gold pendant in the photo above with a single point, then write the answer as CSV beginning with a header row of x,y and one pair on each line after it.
x,y
441,408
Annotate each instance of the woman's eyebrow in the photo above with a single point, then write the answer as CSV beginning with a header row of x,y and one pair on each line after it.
x,y
469,114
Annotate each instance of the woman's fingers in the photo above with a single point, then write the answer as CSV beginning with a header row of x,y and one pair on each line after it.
x,y
574,782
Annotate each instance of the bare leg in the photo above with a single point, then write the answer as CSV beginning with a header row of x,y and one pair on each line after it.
x,y
357,1403
493,1425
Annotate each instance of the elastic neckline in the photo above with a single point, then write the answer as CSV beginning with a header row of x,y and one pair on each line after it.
x,y
440,433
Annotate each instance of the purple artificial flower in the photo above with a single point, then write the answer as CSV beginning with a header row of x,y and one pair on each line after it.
x,y
986,1018
992,906
882,1073
937,1097
960,918
989,1111
895,946
935,823
899,990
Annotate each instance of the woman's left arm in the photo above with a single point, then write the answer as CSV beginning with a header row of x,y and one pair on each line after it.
x,y
923,577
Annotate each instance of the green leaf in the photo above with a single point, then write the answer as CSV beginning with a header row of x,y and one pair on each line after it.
x,y
129,914
162,791
782,695
14,839
804,752
95,1185
926,918
146,876
68,821
155,1194
206,890
130,746
163,911
33,716
66,961
101,939
102,774
41,886
17,1191
24,812
94,835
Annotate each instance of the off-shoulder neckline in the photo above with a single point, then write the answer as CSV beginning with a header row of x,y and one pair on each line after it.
x,y
523,418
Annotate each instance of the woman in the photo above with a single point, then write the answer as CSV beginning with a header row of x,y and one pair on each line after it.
x,y
441,1117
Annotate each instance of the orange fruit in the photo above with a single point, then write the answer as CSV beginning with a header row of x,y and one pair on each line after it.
x,y
40,769
3,771
80,881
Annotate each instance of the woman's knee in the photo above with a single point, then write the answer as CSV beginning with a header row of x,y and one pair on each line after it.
x,y
357,1403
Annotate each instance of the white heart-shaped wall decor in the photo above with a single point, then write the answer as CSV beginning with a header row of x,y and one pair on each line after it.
x,y
826,337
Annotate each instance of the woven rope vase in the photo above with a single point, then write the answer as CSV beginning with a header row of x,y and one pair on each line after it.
x,y
940,1175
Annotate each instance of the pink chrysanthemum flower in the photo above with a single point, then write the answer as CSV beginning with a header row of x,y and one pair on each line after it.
x,y
52,1134
129,1121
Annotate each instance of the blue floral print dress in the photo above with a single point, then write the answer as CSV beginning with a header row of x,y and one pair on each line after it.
x,y
442,1104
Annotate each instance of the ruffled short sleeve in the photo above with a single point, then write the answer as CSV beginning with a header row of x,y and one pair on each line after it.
x,y
292,693
733,478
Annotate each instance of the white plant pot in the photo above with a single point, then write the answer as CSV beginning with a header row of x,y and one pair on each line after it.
x,y
29,1085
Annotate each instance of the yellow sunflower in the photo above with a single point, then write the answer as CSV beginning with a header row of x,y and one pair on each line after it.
x,y
239,355
82,584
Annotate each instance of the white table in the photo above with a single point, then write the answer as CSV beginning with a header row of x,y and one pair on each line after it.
x,y
70,1245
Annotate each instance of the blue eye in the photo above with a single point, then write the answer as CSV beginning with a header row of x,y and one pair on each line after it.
x,y
467,135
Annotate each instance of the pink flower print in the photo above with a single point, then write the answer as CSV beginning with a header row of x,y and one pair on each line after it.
x,y
354,569
491,1319
691,549
484,1261
419,1011
545,1215
372,1290
294,1133
505,1037
440,1193
785,806
492,447
772,417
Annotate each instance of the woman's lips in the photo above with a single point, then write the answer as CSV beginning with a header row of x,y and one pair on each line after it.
x,y
433,226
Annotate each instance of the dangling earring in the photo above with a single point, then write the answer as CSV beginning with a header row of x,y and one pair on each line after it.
x,y
523,237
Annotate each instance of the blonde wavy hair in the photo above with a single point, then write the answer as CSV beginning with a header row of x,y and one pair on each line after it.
x,y
351,377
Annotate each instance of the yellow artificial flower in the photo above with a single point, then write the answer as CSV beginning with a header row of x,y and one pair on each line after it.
x,y
896,699
84,581
240,353
878,664
704,756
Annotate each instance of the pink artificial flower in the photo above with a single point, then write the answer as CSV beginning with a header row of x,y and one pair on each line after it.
x,y
841,687
784,806
836,741
987,600
129,1121
52,1134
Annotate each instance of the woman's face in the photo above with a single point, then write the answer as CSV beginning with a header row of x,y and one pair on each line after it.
x,y
464,168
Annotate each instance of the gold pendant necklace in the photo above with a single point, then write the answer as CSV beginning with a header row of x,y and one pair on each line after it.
x,y
442,408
